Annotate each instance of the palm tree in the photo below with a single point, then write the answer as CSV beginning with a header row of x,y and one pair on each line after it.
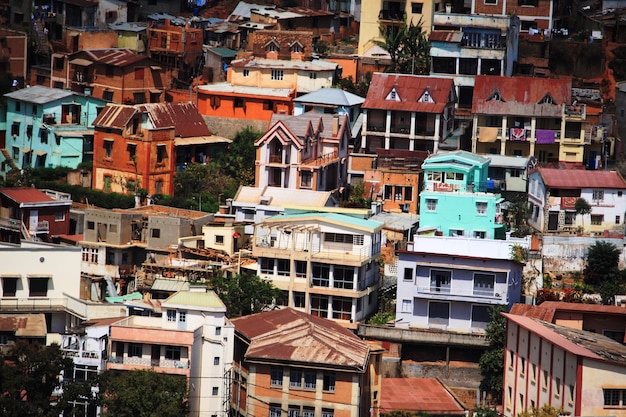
x,y
407,45
582,207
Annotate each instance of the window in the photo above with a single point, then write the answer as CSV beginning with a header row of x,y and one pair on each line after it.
x,y
310,380
18,106
544,384
139,97
295,378
219,239
408,274
59,216
267,265
276,377
416,8
91,225
135,350
343,277
158,187
277,75
132,152
218,331
246,73
171,315
238,102
431,204
522,366
155,233
480,234
440,280
342,308
108,148
484,284
313,75
283,267
275,410
306,178
329,383
38,287
107,95
293,411
43,135
172,353
326,412
16,153
533,3
456,232
597,219
480,316
298,299
598,195
296,49
215,391
557,387
139,73
161,153
9,286
319,305
320,275
271,47
300,269
617,219
438,313
491,2
481,207
406,306
614,397
15,129
308,412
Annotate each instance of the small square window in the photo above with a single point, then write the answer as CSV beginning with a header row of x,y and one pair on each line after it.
x,y
218,331
416,8
156,233
161,153
219,240
246,73
59,216
408,274
215,391
171,315
91,225
216,360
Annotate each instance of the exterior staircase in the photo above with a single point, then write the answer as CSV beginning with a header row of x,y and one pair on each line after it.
x,y
7,157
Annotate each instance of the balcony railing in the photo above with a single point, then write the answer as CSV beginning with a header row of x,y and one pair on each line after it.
x,y
322,160
142,361
78,353
276,159
10,224
42,227
474,292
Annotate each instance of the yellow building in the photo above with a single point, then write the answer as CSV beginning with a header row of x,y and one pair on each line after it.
x,y
379,12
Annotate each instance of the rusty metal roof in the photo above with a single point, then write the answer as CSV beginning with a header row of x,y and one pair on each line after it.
x,y
409,88
581,178
26,195
306,11
24,325
425,395
288,335
520,96
119,57
185,118
115,116
454,36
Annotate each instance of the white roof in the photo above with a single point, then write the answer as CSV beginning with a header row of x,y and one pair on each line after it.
x,y
315,65
332,96
226,87
507,161
282,197
39,94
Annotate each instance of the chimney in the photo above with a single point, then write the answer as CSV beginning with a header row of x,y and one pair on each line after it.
x,y
335,125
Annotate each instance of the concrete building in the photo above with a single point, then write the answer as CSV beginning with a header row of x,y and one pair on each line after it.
x,y
324,263
330,100
287,360
450,283
576,371
553,192
508,173
13,49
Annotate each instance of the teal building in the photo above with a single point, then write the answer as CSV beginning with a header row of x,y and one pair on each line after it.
x,y
48,127
454,200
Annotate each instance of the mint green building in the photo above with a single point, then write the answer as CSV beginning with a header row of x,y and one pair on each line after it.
x,y
454,201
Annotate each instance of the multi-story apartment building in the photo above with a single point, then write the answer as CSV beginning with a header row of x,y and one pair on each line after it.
x,y
455,201
529,116
289,361
192,339
308,151
451,283
48,127
324,263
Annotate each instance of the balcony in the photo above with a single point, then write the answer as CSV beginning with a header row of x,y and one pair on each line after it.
x,y
42,227
375,127
80,77
450,293
575,111
322,160
10,224
276,159
150,362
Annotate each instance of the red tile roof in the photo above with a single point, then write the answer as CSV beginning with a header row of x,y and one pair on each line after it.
x,y
520,95
425,395
26,195
409,89
288,335
581,178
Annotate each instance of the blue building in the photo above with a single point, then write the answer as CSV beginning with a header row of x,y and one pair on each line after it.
x,y
48,127
454,201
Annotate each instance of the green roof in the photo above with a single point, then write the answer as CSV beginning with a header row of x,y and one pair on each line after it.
x,y
224,52
195,299
335,218
126,297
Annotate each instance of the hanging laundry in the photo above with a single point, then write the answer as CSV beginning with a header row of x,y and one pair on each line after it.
x,y
518,134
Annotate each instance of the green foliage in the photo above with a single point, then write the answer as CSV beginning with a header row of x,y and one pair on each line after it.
x,y
545,411
485,412
381,317
202,182
519,253
95,197
238,162
407,45
357,199
492,360
582,206
244,294
143,394
360,88
321,48
602,263
517,217
28,376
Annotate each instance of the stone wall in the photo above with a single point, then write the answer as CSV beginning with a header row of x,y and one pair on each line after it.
x,y
566,254
228,127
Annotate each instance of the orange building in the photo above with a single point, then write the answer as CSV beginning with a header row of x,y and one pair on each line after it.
x,y
142,146
287,360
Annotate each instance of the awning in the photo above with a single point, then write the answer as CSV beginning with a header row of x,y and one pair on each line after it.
x,y
200,140
155,91
26,150
109,140
155,67
39,153
73,133
24,325
81,62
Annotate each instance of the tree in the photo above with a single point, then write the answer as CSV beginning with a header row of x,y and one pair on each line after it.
x,y
238,162
204,185
492,360
582,207
545,411
407,45
602,263
142,394
244,294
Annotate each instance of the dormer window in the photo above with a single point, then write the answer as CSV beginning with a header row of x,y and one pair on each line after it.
x,y
495,96
296,49
547,99
271,48
426,98
393,95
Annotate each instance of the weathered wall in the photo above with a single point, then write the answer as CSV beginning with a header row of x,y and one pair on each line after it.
x,y
228,128
564,254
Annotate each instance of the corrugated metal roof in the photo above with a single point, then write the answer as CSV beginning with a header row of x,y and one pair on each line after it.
x,y
282,197
306,11
173,285
458,157
267,63
520,95
242,10
39,94
287,335
119,57
129,26
410,89
228,88
507,161
26,195
195,299
333,218
331,96
581,178
453,36
115,116
397,222
426,395
24,325
185,118
223,52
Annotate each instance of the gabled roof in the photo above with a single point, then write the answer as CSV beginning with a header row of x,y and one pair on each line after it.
x,y
578,342
425,395
119,57
39,94
410,89
331,96
283,133
29,197
202,300
457,158
581,178
185,118
291,336
520,95
320,122
115,116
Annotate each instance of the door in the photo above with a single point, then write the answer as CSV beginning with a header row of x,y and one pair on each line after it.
x,y
33,221
553,220
155,356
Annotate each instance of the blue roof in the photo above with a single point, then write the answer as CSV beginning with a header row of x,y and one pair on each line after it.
x,y
333,96
224,52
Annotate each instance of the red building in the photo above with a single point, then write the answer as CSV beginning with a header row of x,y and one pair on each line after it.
x,y
142,146
30,213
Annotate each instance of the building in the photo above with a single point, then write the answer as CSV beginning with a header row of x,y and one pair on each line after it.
x,y
31,214
577,371
553,192
142,146
131,35
114,74
193,339
418,395
330,100
508,173
304,152
450,283
324,263
536,16
531,116
286,360
455,201
49,127
13,48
